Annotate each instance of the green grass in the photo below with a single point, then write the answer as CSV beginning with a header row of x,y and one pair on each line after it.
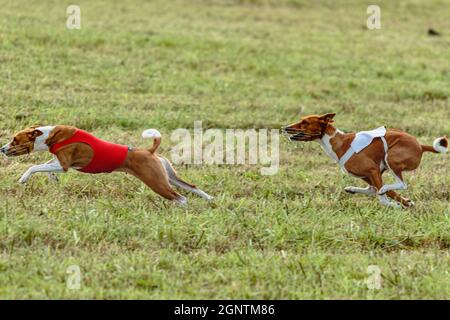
x,y
232,64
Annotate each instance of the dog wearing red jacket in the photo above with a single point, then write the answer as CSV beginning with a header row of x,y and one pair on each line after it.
x,y
77,149
368,154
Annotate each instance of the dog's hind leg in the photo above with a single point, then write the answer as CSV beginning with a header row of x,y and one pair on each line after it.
x,y
178,182
404,201
377,182
399,160
155,177
398,185
388,189
164,190
393,195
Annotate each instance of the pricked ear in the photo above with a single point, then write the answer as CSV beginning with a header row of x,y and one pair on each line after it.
x,y
53,137
34,134
328,117
59,133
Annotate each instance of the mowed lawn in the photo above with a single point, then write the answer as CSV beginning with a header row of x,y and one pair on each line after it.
x,y
231,64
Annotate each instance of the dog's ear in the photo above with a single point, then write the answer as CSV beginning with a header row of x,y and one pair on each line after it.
x,y
328,117
33,134
53,136
58,134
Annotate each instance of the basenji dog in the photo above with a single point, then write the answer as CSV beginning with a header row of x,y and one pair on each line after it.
x,y
82,151
367,155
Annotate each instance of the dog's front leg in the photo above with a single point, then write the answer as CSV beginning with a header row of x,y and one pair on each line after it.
x,y
51,175
53,166
369,191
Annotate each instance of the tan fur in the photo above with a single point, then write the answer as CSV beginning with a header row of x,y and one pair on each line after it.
x,y
156,143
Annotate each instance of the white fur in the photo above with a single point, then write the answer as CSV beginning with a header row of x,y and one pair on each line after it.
x,y
386,202
326,145
53,166
437,145
151,134
181,201
398,185
369,191
39,143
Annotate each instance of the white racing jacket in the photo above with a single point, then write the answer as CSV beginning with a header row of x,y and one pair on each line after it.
x,y
362,140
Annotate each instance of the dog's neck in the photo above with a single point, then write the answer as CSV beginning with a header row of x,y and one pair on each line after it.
x,y
334,142
39,143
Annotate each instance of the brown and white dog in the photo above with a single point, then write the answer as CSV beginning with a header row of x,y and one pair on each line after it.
x,y
404,153
155,171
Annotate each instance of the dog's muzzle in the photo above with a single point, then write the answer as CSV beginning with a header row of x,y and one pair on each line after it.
x,y
289,133
298,135
284,132
3,151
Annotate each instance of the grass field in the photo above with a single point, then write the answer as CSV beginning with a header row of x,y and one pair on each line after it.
x,y
232,64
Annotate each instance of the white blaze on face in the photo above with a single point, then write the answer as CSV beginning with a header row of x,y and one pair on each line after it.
x,y
39,143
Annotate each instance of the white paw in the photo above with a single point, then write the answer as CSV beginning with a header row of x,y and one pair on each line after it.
x,y
182,201
349,189
388,203
410,204
24,178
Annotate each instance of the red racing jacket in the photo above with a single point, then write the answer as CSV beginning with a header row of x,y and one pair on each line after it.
x,y
107,156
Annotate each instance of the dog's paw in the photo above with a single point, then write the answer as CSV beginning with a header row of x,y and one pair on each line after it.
x,y
350,190
182,201
409,204
24,178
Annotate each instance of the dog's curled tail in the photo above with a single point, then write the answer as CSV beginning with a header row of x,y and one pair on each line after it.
x,y
440,145
155,135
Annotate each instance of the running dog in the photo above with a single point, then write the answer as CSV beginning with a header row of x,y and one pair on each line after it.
x,y
80,150
367,154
